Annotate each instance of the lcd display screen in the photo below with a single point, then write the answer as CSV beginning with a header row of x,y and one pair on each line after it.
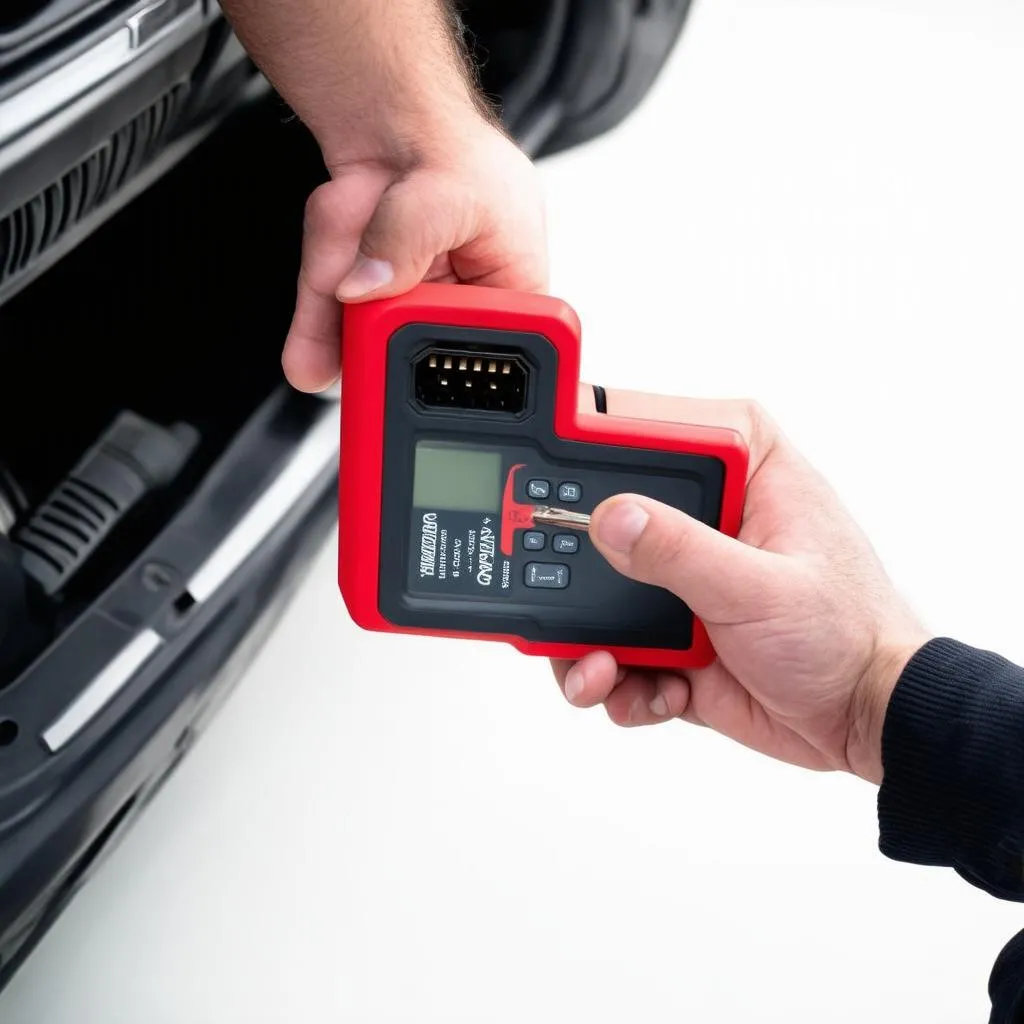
x,y
454,478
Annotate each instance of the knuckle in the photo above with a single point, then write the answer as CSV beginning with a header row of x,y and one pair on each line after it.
x,y
762,426
318,205
755,415
752,410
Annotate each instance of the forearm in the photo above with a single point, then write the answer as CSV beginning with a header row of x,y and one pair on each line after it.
x,y
373,80
953,756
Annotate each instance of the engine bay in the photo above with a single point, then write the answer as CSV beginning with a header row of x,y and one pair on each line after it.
x,y
128,368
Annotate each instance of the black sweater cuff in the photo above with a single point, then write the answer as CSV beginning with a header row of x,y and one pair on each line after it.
x,y
953,758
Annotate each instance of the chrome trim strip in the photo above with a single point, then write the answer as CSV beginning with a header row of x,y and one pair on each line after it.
x,y
147,24
139,33
49,94
313,456
105,686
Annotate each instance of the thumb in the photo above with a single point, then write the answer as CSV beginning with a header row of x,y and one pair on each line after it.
x,y
722,580
411,226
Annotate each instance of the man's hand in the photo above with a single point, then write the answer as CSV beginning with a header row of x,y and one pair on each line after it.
x,y
423,185
470,210
810,635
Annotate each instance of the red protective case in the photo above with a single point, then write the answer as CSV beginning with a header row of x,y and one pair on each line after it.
x,y
366,333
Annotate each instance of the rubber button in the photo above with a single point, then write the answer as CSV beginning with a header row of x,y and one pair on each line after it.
x,y
542,576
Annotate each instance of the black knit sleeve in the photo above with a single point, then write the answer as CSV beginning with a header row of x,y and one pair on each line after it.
x,y
953,758
953,787
1006,984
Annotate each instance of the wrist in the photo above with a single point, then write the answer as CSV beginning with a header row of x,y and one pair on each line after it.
x,y
403,132
870,703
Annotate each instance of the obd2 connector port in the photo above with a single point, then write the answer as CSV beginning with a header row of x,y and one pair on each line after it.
x,y
481,381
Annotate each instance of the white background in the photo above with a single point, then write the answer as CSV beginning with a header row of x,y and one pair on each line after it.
x,y
822,206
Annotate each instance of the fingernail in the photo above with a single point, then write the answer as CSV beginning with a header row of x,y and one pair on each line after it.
x,y
620,527
574,684
367,276
659,706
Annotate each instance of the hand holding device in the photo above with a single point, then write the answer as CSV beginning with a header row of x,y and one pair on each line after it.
x,y
810,634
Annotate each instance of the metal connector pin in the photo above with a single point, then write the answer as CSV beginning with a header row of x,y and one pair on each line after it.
x,y
545,515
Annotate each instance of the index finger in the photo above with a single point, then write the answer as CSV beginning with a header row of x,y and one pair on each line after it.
x,y
312,350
